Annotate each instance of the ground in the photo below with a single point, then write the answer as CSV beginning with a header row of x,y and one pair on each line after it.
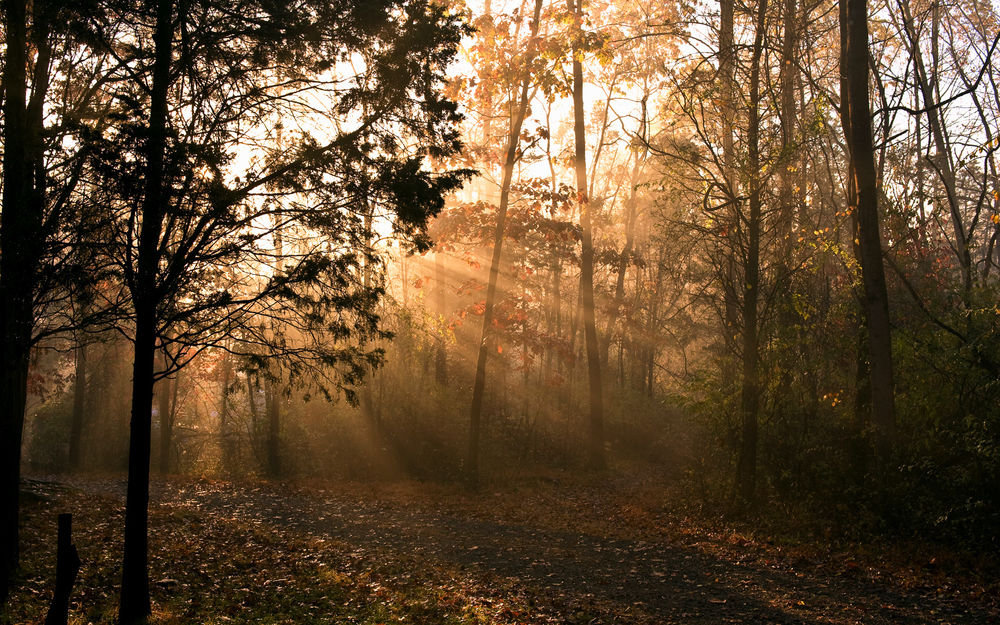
x,y
556,550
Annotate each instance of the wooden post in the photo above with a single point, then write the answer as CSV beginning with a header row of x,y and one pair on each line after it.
x,y
67,567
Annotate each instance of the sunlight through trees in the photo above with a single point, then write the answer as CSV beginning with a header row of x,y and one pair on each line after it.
x,y
750,248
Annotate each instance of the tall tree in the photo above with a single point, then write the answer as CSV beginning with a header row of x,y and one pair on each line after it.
x,y
134,603
746,469
79,403
49,78
272,404
856,119
20,222
191,245
730,181
786,191
595,457
486,343
167,396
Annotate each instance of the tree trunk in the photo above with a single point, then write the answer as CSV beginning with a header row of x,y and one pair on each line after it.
x,y
367,397
273,415
485,343
134,604
595,459
67,568
857,452
617,319
226,433
786,195
14,378
255,423
746,469
168,413
727,62
79,396
787,317
937,124
857,122
441,354
20,223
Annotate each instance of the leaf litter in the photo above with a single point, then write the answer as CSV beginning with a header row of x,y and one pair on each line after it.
x,y
223,552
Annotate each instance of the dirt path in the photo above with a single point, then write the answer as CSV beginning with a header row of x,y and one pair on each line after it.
x,y
572,576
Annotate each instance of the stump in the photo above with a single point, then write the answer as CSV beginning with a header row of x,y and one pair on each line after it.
x,y
67,567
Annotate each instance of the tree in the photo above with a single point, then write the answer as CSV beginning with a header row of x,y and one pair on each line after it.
x,y
167,399
486,344
855,113
595,457
20,219
188,211
746,470
49,80
79,397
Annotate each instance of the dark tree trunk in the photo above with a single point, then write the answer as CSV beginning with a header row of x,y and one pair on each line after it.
x,y
727,63
226,434
787,317
79,402
167,400
746,469
67,568
21,214
595,458
134,605
485,343
786,194
617,318
273,413
857,452
938,126
13,377
369,410
441,354
255,423
857,122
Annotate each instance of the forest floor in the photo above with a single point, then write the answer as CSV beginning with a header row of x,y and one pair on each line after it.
x,y
559,550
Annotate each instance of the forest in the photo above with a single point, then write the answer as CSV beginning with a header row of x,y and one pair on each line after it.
x,y
500,311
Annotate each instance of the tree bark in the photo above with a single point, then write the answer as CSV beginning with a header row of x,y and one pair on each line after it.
x,y
19,224
67,568
786,194
134,605
595,459
937,124
631,214
727,66
485,343
168,413
273,415
746,470
787,317
858,450
441,353
226,434
857,122
79,397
